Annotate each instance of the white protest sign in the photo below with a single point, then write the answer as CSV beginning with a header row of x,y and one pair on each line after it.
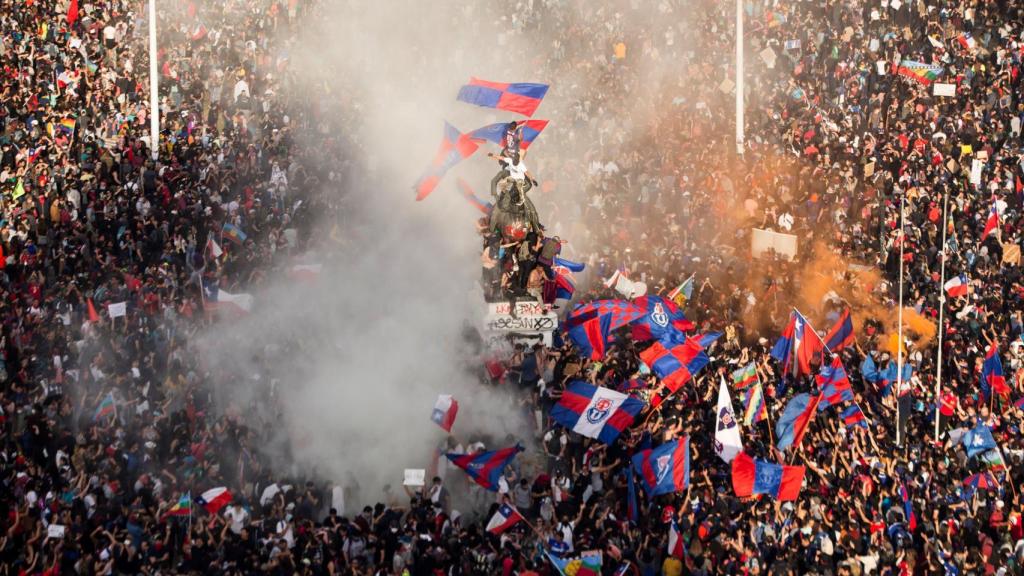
x,y
55,531
976,166
880,66
415,477
768,56
117,309
761,241
940,89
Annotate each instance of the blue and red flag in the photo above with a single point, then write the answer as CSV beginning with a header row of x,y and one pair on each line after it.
x,y
521,98
675,363
496,132
796,417
661,317
471,197
665,469
841,335
750,477
565,285
854,416
908,509
485,468
572,266
589,325
455,148
834,385
595,411
632,507
992,374
797,346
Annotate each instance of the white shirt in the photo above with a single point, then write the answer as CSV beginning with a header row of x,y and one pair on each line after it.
x,y
516,172
238,517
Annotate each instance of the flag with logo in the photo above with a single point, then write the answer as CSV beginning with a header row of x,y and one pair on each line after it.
x,y
595,411
665,469
745,376
727,431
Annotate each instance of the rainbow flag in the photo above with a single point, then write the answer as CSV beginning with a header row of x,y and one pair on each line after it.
x,y
745,376
234,233
919,71
67,125
183,507
754,407
106,407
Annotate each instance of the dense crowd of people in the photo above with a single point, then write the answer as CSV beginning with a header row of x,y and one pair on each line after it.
x,y
109,429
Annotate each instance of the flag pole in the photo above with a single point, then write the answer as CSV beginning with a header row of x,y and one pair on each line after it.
x,y
739,77
899,320
942,310
815,332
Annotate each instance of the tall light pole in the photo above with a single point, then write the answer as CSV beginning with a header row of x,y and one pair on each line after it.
x,y
154,84
739,77
942,310
899,320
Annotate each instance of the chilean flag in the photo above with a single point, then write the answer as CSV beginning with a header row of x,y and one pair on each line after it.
x,y
957,286
214,499
841,335
485,468
665,469
676,546
796,347
505,518
444,412
455,148
992,223
521,98
751,477
596,412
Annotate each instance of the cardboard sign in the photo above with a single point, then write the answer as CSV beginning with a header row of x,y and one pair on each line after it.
x,y
768,56
761,241
117,309
415,477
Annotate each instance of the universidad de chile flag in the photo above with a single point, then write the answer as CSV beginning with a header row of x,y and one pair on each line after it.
x,y
841,335
455,148
496,132
908,508
797,346
750,477
661,318
796,416
992,374
676,363
834,385
565,285
521,98
485,468
596,412
665,469
590,325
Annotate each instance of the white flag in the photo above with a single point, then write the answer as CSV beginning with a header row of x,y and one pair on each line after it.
x,y
727,430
